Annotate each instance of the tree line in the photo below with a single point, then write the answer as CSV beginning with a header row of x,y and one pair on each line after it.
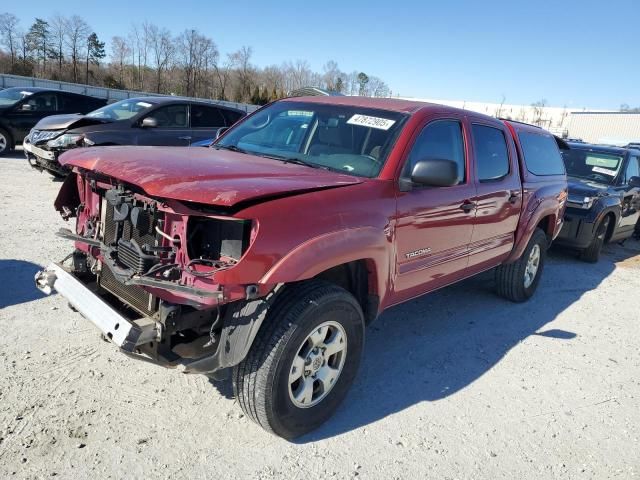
x,y
153,59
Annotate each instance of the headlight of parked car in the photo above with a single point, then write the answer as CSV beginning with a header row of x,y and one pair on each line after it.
x,y
66,140
581,202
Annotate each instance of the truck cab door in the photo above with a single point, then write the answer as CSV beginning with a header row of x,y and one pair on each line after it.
x,y
434,224
499,196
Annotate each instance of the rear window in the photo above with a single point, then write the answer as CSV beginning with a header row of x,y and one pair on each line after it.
x,y
541,154
491,153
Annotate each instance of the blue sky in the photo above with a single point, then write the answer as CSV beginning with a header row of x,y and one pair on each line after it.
x,y
579,54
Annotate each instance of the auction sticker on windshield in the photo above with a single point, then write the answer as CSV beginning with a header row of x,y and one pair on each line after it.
x,y
373,122
606,171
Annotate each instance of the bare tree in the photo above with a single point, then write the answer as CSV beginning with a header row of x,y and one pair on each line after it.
x,y
58,32
222,72
163,50
140,43
244,70
538,111
77,33
120,51
9,35
330,75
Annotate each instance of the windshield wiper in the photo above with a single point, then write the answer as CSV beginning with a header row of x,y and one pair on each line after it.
x,y
294,160
231,148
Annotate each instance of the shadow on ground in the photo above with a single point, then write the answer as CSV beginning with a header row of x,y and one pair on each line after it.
x,y
434,346
16,282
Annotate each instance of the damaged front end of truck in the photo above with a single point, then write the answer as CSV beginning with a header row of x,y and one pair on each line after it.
x,y
154,275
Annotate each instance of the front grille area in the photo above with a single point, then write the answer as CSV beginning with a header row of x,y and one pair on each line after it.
x,y
134,296
124,234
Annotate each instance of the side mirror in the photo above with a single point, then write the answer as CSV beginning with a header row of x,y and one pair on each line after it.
x,y
435,172
26,107
220,132
149,122
634,182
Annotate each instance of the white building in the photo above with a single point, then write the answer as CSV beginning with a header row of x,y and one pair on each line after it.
x,y
554,119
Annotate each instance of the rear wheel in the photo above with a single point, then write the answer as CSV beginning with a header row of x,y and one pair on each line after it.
x,y
518,281
303,359
591,254
5,141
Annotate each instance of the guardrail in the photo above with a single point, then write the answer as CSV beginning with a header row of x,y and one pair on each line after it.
x,y
111,94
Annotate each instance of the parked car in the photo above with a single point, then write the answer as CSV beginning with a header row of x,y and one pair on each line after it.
x,y
604,197
21,108
268,253
169,121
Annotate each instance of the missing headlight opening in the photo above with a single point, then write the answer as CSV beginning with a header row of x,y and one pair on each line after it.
x,y
212,239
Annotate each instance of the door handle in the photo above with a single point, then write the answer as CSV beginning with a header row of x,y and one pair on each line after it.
x,y
515,195
184,138
467,206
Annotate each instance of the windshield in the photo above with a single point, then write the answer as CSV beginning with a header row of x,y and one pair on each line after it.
x,y
598,166
348,139
11,96
120,110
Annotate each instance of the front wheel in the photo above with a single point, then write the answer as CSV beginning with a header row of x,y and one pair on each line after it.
x,y
518,281
5,141
303,360
591,254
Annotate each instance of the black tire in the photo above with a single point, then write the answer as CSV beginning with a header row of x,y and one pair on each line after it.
x,y
261,381
6,142
591,254
510,277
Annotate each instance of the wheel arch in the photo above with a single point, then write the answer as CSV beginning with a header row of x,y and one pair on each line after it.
x,y
355,259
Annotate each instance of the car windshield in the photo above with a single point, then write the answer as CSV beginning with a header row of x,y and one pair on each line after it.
x,y
10,96
597,166
348,139
120,110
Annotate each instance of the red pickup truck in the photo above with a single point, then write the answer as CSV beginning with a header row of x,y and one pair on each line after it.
x,y
268,254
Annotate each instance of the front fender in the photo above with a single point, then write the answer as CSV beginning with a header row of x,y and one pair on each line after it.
x,y
331,249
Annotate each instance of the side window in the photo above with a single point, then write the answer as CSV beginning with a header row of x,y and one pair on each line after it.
x,y
43,102
541,154
206,117
231,116
171,116
70,104
491,153
633,169
442,140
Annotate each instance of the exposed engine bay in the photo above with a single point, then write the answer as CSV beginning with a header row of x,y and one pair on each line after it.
x,y
157,262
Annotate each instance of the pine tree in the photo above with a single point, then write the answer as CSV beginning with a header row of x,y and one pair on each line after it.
x,y
95,53
255,96
39,39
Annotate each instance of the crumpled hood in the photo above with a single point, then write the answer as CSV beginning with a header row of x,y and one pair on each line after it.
x,y
203,175
58,122
586,188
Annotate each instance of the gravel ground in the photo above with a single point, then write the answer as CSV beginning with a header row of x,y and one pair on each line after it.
x,y
458,384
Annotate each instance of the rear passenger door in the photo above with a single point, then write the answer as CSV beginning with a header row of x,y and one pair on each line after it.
x,y
434,224
499,196
172,129
205,122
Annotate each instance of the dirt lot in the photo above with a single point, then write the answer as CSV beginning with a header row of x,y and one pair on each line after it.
x,y
458,384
